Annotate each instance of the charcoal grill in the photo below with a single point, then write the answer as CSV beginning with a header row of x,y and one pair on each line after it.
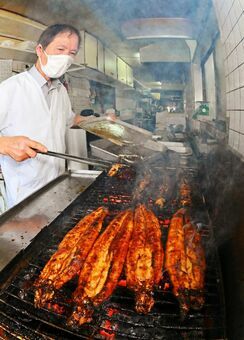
x,y
116,318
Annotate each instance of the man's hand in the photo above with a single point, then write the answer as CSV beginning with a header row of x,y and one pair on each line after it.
x,y
79,119
20,148
111,116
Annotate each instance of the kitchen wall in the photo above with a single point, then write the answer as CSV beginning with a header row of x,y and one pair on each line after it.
x,y
220,79
79,92
9,67
125,102
189,96
5,69
230,18
210,85
197,80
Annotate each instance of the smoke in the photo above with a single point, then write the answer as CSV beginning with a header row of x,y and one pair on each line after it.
x,y
95,17
223,185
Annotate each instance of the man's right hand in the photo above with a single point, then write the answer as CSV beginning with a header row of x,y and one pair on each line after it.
x,y
20,147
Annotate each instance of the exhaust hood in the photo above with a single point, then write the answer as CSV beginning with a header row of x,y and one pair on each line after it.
x,y
151,28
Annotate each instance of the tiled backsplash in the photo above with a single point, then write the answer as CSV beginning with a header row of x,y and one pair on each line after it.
x,y
230,15
79,93
5,69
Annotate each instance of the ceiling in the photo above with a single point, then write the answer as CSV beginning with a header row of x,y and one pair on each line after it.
x,y
105,19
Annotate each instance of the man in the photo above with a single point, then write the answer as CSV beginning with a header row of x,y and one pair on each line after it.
x,y
34,113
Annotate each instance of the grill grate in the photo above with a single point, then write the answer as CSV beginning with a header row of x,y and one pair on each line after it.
x,y
116,318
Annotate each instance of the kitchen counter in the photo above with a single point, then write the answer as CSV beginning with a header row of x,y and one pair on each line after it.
x,y
20,224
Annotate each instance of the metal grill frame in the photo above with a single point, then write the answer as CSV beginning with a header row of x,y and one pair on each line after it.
x,y
208,323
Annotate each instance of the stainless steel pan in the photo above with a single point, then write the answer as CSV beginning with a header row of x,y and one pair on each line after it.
x,y
122,133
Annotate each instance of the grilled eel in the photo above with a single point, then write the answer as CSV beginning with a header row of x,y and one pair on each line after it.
x,y
163,192
68,260
185,262
142,183
144,259
122,171
114,170
185,193
102,268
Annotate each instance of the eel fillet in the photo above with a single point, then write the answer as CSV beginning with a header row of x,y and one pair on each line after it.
x,y
102,268
185,262
144,259
68,260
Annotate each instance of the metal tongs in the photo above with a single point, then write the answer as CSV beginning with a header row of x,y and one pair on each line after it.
x,y
125,159
129,159
91,161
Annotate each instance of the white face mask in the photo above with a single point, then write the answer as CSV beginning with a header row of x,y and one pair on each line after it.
x,y
56,65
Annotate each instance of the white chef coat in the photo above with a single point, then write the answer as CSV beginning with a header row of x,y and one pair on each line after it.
x,y
24,112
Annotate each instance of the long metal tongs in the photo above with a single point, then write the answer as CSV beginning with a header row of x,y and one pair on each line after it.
x,y
91,161
129,159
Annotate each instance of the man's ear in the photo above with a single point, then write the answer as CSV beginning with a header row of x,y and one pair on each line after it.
x,y
38,50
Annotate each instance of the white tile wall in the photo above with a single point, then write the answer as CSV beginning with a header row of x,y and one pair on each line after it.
x,y
228,101
241,72
227,47
236,141
242,99
242,4
19,66
232,120
232,100
227,4
241,24
237,121
237,99
229,44
237,35
236,80
235,145
237,8
226,68
242,122
230,16
241,145
79,91
233,60
240,51
231,77
231,138
5,69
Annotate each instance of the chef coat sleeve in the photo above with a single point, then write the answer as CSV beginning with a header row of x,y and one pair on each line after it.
x,y
71,117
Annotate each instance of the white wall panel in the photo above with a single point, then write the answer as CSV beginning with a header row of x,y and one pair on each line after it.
x,y
231,23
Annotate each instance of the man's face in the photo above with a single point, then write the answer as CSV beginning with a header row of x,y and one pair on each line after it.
x,y
63,43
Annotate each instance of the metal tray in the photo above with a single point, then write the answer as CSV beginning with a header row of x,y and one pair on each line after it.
x,y
117,131
104,149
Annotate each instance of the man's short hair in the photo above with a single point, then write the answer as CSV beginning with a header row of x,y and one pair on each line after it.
x,y
52,31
